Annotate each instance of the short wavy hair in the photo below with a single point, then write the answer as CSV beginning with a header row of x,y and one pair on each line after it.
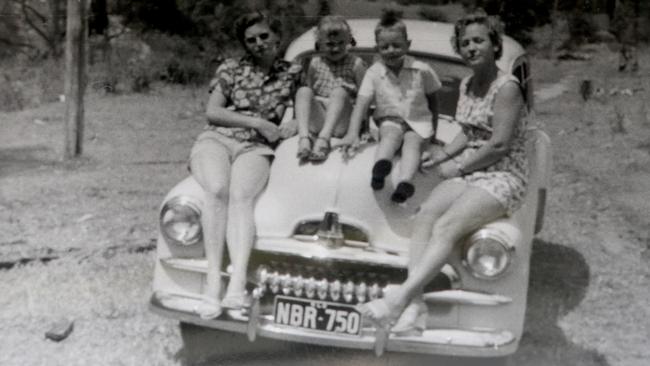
x,y
247,20
479,16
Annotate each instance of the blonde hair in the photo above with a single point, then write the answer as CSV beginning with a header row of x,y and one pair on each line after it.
x,y
479,16
333,25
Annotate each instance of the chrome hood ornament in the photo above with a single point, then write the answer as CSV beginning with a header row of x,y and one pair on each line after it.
x,y
329,232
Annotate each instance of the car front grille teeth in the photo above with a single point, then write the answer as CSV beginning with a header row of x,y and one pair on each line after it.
x,y
313,287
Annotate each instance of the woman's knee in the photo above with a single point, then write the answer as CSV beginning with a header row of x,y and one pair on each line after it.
x,y
427,214
215,190
448,228
240,197
304,93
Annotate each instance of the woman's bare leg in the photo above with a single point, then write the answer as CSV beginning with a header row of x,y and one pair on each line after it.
x,y
249,175
211,168
472,209
439,201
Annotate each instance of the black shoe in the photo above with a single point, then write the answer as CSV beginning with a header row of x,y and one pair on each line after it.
x,y
403,192
380,171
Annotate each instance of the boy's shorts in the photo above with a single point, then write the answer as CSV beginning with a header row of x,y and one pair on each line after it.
x,y
212,142
396,122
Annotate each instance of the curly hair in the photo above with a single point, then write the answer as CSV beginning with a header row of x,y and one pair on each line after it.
x,y
479,16
391,19
247,20
333,25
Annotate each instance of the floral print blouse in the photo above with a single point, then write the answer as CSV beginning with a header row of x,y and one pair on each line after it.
x,y
250,91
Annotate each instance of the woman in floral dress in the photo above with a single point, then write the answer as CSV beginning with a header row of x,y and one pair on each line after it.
x,y
232,157
485,169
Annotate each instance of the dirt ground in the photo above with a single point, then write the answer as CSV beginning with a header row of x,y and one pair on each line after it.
x,y
76,237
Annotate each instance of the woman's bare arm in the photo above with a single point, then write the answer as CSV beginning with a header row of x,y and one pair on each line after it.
x,y
507,111
219,115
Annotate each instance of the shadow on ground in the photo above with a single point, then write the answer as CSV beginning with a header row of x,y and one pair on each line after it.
x,y
20,159
559,279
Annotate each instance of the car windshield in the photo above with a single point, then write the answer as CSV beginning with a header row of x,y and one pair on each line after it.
x,y
450,72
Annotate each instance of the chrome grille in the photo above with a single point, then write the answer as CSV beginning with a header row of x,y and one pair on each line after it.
x,y
326,279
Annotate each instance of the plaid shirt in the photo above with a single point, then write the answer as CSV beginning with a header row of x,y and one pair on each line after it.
x,y
323,75
250,91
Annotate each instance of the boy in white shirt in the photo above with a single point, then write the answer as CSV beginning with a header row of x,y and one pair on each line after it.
x,y
404,92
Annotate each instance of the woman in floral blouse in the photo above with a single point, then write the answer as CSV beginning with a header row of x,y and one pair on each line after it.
x,y
232,157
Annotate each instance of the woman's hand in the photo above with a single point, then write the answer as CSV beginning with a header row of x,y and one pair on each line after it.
x,y
449,169
268,129
433,156
288,128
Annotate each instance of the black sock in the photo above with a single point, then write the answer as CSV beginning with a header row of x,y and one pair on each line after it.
x,y
403,191
380,170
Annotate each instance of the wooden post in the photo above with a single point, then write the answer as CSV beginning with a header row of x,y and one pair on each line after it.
x,y
75,77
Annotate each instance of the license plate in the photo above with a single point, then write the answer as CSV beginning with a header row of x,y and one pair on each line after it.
x,y
317,315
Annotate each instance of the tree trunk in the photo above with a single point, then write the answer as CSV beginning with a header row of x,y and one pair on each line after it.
x,y
75,77
554,15
55,25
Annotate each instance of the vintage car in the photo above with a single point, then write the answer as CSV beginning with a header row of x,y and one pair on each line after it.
x,y
327,242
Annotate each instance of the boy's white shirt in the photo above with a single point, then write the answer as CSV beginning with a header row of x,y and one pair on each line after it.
x,y
403,95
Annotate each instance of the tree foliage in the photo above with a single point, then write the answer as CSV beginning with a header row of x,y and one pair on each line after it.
x,y
519,16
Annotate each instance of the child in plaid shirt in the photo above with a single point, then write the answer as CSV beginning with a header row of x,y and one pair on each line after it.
x,y
324,102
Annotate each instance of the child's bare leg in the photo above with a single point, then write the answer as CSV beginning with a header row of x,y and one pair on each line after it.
x,y
338,102
304,100
335,124
411,151
390,138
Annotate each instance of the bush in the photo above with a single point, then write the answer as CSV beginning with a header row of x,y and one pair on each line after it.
x,y
581,29
181,60
519,16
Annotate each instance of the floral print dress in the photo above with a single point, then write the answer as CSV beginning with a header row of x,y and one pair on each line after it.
x,y
506,179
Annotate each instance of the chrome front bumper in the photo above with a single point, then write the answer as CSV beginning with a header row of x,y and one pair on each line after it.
x,y
456,342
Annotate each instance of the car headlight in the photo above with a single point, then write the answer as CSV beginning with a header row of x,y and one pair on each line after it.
x,y
487,254
180,221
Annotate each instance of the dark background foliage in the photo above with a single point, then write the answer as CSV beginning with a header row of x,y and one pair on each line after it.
x,y
133,43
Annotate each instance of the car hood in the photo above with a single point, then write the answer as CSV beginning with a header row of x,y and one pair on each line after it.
x,y
305,192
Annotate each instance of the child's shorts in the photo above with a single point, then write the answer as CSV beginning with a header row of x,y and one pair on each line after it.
x,y
211,142
396,122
